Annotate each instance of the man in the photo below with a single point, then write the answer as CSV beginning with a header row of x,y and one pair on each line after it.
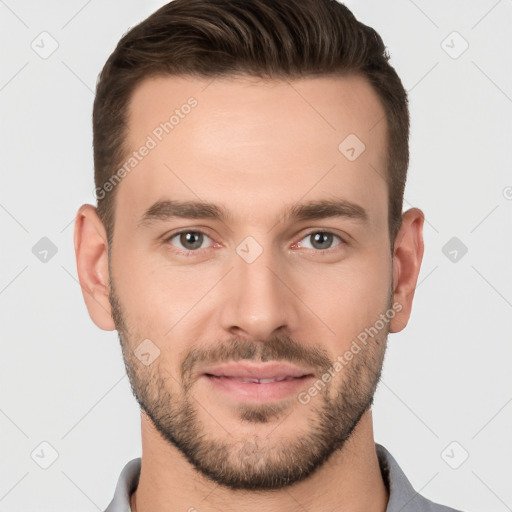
x,y
250,249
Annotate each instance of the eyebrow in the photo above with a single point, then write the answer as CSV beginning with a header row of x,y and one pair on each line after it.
x,y
312,210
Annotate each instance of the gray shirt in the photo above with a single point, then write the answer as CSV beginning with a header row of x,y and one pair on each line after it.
x,y
402,496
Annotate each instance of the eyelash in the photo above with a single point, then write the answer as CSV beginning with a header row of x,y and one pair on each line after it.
x,y
188,253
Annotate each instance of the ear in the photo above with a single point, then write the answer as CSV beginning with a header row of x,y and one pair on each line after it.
x,y
407,257
91,250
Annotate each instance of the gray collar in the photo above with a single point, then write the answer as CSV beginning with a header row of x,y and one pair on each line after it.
x,y
402,496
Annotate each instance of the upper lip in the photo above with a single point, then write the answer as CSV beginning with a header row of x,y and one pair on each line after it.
x,y
257,371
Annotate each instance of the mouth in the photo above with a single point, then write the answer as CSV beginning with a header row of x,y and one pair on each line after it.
x,y
251,382
255,380
254,372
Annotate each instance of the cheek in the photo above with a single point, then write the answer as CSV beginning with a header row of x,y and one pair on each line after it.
x,y
158,304
350,296
152,288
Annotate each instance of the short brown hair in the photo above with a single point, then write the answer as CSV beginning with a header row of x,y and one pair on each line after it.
x,y
284,39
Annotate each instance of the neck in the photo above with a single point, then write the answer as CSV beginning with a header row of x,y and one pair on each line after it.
x,y
350,480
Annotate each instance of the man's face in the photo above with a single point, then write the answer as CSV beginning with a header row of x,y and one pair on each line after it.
x,y
255,286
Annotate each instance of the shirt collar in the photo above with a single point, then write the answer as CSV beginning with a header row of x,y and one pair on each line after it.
x,y
402,496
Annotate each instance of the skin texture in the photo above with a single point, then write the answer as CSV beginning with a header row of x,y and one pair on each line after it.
x,y
255,147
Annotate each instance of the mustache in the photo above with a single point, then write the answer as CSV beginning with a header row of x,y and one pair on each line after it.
x,y
278,348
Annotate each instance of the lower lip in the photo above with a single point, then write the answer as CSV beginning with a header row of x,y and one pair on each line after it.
x,y
259,392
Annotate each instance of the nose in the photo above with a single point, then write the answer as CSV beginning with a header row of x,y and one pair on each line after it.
x,y
258,299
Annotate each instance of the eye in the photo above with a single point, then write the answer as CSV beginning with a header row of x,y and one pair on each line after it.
x,y
190,240
321,240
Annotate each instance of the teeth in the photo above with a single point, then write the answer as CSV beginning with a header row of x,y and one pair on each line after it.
x,y
261,381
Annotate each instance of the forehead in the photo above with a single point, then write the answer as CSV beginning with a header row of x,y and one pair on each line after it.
x,y
255,146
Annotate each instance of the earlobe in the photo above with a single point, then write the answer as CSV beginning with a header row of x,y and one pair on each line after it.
x,y
91,251
407,257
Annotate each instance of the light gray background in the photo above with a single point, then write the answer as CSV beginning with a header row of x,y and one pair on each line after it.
x,y
447,375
